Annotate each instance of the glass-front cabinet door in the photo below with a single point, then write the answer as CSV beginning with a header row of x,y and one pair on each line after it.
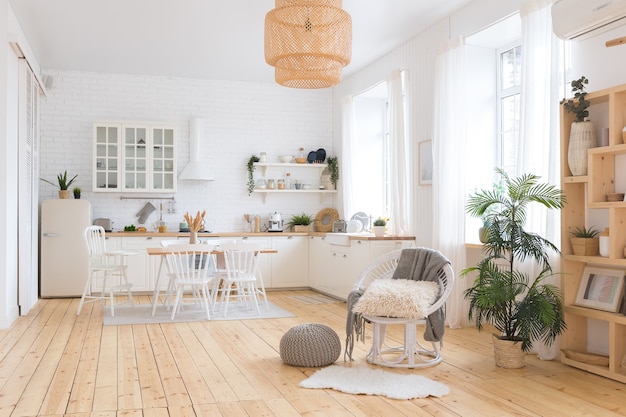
x,y
106,157
163,161
135,158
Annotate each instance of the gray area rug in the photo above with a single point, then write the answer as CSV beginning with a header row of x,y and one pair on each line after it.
x,y
373,381
142,314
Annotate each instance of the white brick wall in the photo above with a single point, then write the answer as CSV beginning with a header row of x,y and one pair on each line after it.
x,y
242,118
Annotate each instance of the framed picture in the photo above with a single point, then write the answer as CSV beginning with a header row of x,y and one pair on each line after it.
x,y
426,162
601,288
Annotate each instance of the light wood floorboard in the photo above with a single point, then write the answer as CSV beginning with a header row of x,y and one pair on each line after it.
x,y
54,363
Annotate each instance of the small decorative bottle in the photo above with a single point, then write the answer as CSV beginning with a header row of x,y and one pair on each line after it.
x,y
280,184
288,181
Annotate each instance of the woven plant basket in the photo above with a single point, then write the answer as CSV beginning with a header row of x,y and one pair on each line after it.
x,y
298,228
582,137
508,353
585,246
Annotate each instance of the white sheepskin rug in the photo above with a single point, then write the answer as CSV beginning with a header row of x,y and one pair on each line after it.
x,y
364,380
397,298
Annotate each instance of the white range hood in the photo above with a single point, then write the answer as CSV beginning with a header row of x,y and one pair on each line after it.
x,y
196,169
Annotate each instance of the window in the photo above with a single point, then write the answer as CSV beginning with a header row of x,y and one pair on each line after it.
x,y
509,85
494,67
370,156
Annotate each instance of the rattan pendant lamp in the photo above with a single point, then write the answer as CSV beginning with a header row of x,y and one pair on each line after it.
x,y
308,42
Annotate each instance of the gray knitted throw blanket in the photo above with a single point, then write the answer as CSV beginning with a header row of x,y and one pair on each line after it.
x,y
415,264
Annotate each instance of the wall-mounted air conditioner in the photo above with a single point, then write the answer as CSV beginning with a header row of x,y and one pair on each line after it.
x,y
573,19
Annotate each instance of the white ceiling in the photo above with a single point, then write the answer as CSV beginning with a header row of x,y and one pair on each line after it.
x,y
221,40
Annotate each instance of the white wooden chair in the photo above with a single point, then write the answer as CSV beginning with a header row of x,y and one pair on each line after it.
x,y
411,353
258,288
191,266
106,266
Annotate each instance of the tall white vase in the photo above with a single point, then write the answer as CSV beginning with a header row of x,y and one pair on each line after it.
x,y
582,137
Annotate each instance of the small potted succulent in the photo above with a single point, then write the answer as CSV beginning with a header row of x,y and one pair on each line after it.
x,y
63,184
76,191
300,223
379,227
585,242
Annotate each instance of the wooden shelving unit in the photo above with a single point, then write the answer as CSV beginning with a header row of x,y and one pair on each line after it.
x,y
589,192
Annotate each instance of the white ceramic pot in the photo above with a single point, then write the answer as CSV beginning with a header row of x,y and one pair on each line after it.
x,y
604,246
379,231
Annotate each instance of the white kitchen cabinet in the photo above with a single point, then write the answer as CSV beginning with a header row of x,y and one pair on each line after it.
x,y
381,247
107,156
290,265
318,267
134,157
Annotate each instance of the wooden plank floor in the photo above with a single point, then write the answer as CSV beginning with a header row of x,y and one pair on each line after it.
x,y
54,363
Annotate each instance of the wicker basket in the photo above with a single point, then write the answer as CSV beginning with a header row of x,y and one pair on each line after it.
x,y
585,246
615,197
298,228
507,353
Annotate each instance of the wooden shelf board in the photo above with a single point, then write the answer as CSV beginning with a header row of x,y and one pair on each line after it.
x,y
596,314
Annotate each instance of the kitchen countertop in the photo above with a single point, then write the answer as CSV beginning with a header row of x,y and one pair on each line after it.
x,y
242,234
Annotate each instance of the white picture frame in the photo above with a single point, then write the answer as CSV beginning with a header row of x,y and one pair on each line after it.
x,y
601,288
425,149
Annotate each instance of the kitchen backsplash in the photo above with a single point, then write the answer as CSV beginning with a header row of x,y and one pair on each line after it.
x,y
239,119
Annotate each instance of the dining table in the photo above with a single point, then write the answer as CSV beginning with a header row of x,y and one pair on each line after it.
x,y
164,251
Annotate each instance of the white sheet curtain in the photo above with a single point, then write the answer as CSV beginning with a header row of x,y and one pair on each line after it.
x,y
449,168
538,153
401,222
348,138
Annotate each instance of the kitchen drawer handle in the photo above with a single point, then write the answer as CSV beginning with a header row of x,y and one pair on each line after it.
x,y
50,234
245,238
148,237
289,237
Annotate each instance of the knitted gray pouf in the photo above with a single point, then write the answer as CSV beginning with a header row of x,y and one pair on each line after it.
x,y
310,345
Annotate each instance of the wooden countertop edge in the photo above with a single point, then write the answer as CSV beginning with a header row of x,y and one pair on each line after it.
x,y
243,234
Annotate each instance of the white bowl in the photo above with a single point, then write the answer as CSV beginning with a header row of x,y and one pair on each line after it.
x,y
285,158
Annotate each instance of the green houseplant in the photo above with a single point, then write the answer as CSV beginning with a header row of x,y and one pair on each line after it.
x,y
585,242
300,222
379,226
333,168
76,191
521,308
582,134
62,183
250,166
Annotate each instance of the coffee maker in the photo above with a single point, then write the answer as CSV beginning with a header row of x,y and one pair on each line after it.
x,y
276,223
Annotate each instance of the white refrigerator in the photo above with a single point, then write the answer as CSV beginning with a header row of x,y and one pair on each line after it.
x,y
63,257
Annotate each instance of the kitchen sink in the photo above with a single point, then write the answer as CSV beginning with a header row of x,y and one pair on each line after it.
x,y
343,239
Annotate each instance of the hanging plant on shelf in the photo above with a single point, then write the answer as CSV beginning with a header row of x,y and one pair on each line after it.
x,y
333,168
251,162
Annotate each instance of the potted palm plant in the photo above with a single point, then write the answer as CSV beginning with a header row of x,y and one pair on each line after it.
x,y
521,308
63,184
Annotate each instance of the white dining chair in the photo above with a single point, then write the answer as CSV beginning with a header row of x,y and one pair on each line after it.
x,y
192,267
106,266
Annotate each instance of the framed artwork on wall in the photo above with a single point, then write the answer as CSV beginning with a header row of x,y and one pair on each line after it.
x,y
425,162
601,288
